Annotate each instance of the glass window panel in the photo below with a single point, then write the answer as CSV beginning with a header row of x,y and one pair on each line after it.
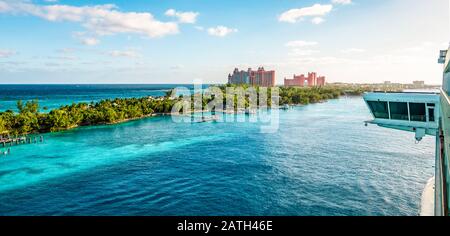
x,y
431,115
418,112
399,110
379,109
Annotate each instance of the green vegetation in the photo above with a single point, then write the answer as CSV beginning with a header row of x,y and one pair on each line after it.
x,y
304,96
29,120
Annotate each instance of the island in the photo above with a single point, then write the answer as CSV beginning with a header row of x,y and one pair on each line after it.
x,y
30,120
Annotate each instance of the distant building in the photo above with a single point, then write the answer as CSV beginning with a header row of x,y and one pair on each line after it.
x,y
388,86
259,77
419,84
320,81
239,77
303,81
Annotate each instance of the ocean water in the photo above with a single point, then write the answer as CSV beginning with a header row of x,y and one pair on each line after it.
x,y
322,161
54,96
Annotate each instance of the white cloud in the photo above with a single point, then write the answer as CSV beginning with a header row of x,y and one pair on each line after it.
x,y
66,50
4,7
353,50
183,17
99,19
317,20
299,52
6,53
297,14
300,43
424,46
177,67
125,53
342,2
221,31
199,28
90,41
300,48
65,57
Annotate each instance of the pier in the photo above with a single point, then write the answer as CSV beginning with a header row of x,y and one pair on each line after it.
x,y
8,142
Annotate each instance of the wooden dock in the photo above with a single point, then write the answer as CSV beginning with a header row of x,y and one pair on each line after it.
x,y
9,141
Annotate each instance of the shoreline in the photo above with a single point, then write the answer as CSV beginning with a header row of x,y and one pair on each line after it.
x,y
29,121
165,114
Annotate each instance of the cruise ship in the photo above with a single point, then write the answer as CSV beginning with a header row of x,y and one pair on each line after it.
x,y
422,113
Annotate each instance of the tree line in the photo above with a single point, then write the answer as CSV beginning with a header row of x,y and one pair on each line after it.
x,y
30,120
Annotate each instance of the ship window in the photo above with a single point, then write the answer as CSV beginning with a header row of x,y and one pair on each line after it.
x,y
399,110
431,104
379,109
431,115
418,112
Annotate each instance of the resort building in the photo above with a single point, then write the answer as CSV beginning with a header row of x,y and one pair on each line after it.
x,y
419,84
239,77
260,77
303,81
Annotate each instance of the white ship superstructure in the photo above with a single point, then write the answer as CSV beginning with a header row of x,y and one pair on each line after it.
x,y
422,113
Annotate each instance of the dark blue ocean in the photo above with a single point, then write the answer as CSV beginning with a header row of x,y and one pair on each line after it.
x,y
54,96
321,161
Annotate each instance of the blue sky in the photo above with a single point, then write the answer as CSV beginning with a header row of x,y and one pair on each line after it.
x,y
178,41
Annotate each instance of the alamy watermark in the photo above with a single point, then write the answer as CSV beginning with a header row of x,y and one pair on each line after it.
x,y
227,104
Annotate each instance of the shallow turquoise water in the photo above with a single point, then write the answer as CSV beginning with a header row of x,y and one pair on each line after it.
x,y
322,161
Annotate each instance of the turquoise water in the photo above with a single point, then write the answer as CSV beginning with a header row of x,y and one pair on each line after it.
x,y
322,161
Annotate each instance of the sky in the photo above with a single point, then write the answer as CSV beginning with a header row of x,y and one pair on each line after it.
x,y
182,41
